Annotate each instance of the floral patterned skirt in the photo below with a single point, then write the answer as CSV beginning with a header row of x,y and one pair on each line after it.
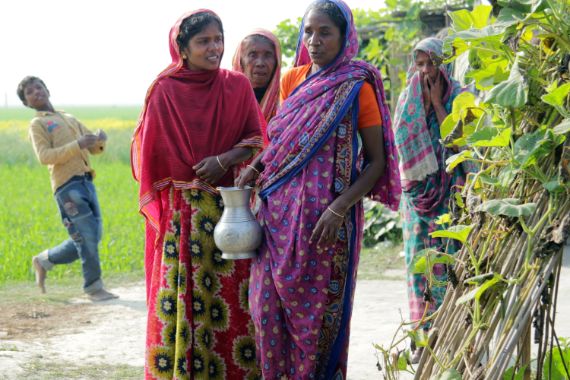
x,y
198,318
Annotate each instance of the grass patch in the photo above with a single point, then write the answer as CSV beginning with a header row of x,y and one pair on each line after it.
x,y
48,369
8,348
29,217
30,221
375,262
81,112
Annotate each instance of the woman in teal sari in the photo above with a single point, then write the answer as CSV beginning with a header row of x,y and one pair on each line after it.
x,y
427,187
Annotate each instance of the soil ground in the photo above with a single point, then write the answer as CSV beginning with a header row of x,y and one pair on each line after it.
x,y
63,336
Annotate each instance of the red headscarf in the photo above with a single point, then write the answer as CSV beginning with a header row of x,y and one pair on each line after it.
x,y
188,116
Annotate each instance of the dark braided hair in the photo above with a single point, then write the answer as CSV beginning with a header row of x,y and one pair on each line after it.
x,y
193,25
22,86
332,11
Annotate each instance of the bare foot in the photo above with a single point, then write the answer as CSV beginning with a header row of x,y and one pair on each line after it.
x,y
40,273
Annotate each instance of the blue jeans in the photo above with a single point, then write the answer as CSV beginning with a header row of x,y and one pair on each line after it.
x,y
81,216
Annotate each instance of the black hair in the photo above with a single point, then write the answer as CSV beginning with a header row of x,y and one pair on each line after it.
x,y
22,86
193,25
332,11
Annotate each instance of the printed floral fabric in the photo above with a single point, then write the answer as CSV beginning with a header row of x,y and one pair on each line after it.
x,y
198,325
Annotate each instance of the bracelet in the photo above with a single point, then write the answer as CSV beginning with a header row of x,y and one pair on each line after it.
x,y
334,212
254,169
220,163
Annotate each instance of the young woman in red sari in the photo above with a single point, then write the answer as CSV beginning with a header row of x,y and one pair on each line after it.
x,y
198,124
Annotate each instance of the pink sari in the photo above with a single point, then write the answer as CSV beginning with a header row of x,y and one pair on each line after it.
x,y
300,295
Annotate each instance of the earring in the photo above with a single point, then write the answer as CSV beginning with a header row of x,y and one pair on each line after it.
x,y
183,56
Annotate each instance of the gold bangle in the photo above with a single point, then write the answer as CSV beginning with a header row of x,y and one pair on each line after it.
x,y
254,169
334,212
221,166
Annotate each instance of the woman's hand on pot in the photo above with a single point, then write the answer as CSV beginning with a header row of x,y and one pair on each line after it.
x,y
326,230
246,177
210,170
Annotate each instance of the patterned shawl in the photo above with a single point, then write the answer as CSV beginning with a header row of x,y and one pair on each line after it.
x,y
307,108
183,111
417,156
270,100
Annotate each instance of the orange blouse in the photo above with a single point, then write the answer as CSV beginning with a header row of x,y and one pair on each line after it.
x,y
369,113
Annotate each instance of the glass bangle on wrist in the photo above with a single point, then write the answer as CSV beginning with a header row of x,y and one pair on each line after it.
x,y
334,212
220,163
254,169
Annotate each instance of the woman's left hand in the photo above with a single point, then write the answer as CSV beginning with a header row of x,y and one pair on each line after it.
x,y
436,89
326,230
209,170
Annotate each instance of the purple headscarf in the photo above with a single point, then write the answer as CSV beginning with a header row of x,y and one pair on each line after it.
x,y
318,94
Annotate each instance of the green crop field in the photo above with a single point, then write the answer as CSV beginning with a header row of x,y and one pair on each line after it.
x,y
29,218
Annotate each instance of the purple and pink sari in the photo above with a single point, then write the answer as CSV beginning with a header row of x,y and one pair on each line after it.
x,y
300,295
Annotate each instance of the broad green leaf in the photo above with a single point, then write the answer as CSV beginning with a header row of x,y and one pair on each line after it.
x,y
459,200
559,358
456,159
513,374
510,16
480,15
458,232
402,362
488,33
557,96
419,336
508,207
448,124
420,260
487,285
489,180
490,136
443,219
461,19
510,93
520,5
463,101
467,297
530,148
476,280
562,128
450,374
507,176
526,147
420,265
553,186
477,293
489,74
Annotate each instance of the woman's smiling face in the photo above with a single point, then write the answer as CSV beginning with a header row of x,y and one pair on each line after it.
x,y
204,50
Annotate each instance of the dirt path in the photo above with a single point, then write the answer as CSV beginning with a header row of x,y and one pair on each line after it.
x,y
82,340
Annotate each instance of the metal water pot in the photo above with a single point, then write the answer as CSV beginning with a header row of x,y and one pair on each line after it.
x,y
237,234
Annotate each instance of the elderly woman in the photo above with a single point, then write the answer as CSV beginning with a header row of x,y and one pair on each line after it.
x,y
192,133
427,187
258,56
331,143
